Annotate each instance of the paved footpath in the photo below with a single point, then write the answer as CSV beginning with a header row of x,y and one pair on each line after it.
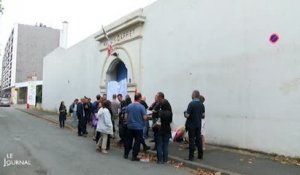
x,y
216,159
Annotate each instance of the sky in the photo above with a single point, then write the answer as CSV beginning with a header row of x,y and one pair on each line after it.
x,y
84,17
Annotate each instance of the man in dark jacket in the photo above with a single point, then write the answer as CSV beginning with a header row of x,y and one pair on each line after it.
x,y
194,114
122,127
82,120
164,128
155,109
88,109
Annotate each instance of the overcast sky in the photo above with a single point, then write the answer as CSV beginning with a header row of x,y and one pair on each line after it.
x,y
84,17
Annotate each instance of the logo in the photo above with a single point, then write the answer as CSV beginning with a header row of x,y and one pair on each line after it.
x,y
10,161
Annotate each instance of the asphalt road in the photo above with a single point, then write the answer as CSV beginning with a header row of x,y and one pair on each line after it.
x,y
45,149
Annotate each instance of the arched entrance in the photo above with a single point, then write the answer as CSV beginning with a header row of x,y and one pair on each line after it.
x,y
117,71
117,76
126,37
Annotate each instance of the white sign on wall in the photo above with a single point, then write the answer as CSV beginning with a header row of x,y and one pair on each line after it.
x,y
31,93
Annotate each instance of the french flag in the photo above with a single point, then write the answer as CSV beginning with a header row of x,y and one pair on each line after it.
x,y
110,48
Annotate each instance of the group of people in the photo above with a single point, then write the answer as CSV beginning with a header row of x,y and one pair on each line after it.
x,y
130,119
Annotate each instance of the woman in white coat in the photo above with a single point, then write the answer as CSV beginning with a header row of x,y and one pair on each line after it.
x,y
104,126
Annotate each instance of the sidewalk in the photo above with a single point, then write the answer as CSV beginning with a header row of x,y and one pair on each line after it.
x,y
233,161
216,159
49,116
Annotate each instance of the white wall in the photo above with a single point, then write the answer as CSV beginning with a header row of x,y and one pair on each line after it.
x,y
72,73
221,48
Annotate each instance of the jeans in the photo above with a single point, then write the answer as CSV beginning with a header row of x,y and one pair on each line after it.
x,y
162,147
116,127
137,135
155,139
146,130
61,122
195,139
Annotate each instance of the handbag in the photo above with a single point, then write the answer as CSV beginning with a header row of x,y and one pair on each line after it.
x,y
94,120
156,126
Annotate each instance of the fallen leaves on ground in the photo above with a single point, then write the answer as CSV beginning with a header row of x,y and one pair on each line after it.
x,y
286,160
147,157
178,165
150,157
204,172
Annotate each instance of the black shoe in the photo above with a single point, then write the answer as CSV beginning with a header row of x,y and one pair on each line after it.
x,y
125,156
135,159
200,157
146,148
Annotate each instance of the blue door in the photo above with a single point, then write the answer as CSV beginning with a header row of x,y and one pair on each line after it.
x,y
121,72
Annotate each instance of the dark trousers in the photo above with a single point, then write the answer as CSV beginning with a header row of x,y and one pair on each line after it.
x,y
146,129
61,122
137,135
195,140
122,132
88,117
155,135
144,143
114,127
82,126
162,147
